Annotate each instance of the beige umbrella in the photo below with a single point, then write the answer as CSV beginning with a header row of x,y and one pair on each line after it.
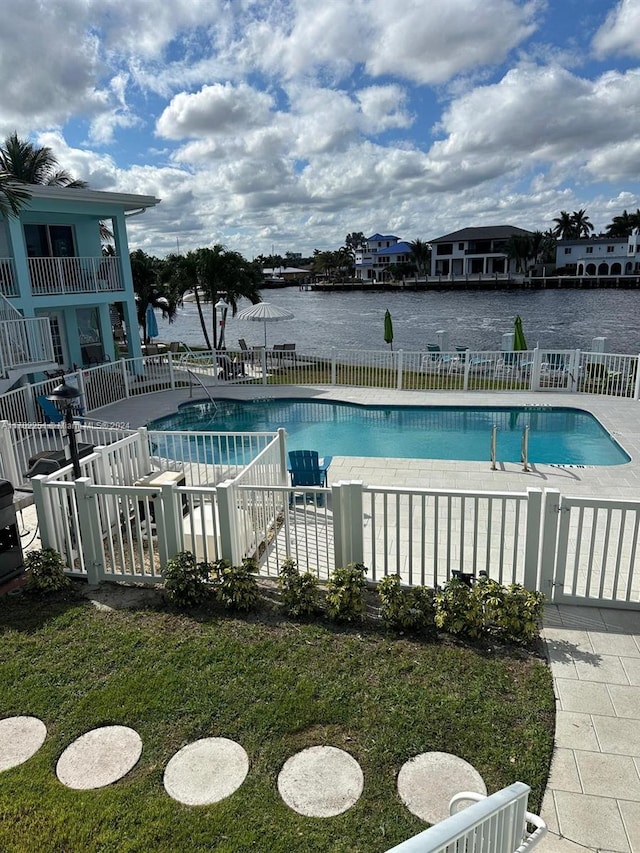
x,y
266,313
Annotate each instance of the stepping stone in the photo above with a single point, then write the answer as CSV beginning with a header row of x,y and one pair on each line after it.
x,y
99,757
20,738
427,783
321,781
206,771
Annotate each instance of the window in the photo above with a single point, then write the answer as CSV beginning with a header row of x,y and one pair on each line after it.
x,y
611,248
567,251
49,241
460,247
589,250
444,248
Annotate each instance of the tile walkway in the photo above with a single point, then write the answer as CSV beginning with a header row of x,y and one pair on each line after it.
x,y
592,800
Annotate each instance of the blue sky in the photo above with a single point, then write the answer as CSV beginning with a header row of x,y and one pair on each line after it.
x,y
285,125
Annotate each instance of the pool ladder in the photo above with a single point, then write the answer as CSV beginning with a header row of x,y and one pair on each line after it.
x,y
524,448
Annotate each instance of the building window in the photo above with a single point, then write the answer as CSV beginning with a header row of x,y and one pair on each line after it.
x,y
444,248
49,241
589,250
460,247
611,248
567,251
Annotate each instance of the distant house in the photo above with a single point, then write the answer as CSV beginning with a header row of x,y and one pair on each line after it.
x,y
474,251
381,251
58,291
600,256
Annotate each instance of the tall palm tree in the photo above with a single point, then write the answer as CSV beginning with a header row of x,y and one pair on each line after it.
x,y
149,289
12,195
421,256
32,164
213,273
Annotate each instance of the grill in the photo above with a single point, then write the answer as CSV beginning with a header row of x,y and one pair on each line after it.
x,y
11,559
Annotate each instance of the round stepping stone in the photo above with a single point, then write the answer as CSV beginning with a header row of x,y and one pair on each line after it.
x,y
321,781
427,783
206,771
99,757
20,738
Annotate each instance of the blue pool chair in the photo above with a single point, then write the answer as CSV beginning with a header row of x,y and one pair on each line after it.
x,y
307,469
52,414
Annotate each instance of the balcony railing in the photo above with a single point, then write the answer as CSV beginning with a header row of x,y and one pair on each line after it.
x,y
24,343
51,276
8,284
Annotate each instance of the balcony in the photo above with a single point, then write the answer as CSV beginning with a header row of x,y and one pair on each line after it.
x,y
24,343
64,276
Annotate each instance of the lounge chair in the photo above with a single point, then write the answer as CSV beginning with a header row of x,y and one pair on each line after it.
x,y
307,469
598,379
436,361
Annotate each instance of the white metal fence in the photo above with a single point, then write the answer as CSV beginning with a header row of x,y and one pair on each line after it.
x,y
494,824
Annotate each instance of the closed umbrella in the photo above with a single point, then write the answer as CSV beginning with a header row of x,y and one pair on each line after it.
x,y
519,342
388,329
152,323
265,312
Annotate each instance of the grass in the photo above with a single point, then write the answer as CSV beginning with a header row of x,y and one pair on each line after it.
x,y
274,686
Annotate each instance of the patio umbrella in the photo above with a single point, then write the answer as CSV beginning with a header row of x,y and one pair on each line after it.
x,y
266,313
519,342
152,323
388,329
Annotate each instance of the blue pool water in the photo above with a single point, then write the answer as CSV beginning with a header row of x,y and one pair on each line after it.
x,y
556,435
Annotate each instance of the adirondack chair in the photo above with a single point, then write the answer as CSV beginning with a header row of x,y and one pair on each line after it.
x,y
307,469
52,414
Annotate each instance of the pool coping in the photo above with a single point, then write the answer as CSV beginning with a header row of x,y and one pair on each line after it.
x,y
618,416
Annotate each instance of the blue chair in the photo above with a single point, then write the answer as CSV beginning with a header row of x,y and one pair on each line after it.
x,y
307,469
52,414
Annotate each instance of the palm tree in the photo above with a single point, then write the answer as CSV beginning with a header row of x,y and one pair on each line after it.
x,y
623,225
149,290
212,273
582,224
31,164
565,226
520,248
421,255
12,195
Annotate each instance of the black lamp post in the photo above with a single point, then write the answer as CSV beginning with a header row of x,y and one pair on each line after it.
x,y
64,396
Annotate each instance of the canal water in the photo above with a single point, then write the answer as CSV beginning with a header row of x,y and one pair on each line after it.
x,y
562,319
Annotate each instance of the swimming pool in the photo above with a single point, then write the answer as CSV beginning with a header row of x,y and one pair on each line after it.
x,y
557,435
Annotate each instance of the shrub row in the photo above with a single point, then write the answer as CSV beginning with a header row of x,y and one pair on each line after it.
x,y
483,608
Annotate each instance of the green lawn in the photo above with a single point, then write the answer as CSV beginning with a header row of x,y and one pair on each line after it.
x,y
275,687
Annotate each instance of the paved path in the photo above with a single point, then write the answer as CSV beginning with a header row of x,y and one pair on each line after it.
x,y
592,800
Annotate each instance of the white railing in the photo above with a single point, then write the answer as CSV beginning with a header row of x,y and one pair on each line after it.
x,y
494,824
54,276
8,283
26,342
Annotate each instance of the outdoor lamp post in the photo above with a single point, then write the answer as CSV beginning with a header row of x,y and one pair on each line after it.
x,y
64,396
221,312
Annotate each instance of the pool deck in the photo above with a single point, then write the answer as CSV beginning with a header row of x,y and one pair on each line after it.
x,y
618,416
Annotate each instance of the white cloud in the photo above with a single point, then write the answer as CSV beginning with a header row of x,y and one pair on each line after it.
x,y
215,110
620,33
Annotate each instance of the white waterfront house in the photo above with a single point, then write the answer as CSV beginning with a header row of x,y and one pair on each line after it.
x,y
475,251
59,294
600,256
381,251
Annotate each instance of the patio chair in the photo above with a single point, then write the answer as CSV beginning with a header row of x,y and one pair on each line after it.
x,y
228,369
307,469
598,379
436,360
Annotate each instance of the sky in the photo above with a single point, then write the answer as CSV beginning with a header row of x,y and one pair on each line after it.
x,y
282,126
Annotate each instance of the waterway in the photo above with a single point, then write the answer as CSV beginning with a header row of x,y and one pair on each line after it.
x,y
562,319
